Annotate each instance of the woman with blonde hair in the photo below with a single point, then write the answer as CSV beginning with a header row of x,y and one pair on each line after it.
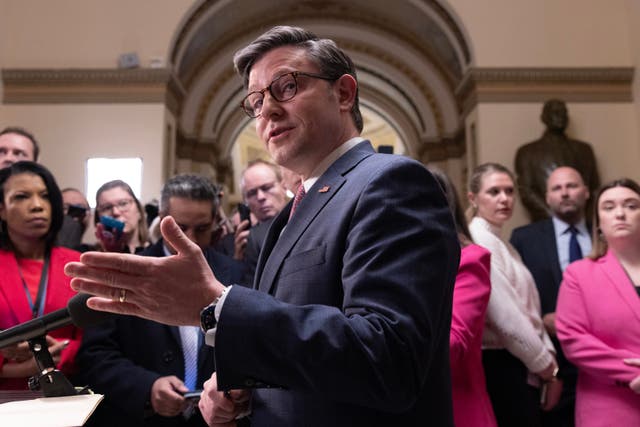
x,y
598,312
518,355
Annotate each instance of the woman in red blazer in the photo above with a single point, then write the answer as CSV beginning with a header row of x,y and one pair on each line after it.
x,y
598,313
30,218
471,403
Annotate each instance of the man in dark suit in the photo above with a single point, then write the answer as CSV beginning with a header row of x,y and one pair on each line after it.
x,y
546,249
139,365
350,324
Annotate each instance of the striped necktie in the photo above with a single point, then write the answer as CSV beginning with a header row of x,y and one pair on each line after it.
x,y
189,336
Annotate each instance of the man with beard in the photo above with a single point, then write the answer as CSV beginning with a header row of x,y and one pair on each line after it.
x,y
546,248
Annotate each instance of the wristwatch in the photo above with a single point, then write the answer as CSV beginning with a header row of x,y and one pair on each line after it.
x,y
208,317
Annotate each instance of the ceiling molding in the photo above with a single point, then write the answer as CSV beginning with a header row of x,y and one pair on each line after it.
x,y
579,84
63,86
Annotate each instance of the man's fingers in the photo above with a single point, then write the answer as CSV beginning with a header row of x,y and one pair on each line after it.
x,y
632,362
111,306
101,281
126,263
173,235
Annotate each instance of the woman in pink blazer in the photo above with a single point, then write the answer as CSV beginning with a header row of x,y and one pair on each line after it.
x,y
471,403
598,313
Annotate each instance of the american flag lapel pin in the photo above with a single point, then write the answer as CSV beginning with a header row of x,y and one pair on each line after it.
x,y
324,189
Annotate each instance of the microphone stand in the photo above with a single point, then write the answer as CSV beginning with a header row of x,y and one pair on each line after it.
x,y
50,380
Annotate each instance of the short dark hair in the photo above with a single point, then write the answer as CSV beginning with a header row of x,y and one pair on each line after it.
x,y
53,191
600,246
143,230
190,186
23,132
329,58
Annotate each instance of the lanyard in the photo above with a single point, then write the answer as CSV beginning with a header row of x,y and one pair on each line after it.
x,y
37,308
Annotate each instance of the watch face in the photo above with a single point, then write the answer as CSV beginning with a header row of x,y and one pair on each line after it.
x,y
207,318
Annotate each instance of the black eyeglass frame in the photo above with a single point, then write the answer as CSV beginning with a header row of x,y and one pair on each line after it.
x,y
249,111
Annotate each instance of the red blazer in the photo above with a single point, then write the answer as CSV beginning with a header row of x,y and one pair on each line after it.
x,y
471,404
14,307
598,323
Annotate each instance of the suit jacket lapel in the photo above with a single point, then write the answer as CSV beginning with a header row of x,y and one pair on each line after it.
x,y
620,282
551,250
278,245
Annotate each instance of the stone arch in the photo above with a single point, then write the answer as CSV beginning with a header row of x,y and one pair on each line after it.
x,y
410,59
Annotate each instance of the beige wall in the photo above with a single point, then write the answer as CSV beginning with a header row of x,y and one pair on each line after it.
x,y
502,33
91,34
561,33
70,134
86,33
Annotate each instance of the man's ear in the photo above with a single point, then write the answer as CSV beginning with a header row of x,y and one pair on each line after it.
x,y
347,89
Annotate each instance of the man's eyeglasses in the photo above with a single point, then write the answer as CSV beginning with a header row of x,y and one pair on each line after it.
x,y
123,206
282,88
265,188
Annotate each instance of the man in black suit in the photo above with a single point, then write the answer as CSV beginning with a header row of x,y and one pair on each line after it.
x,y
139,365
350,321
546,248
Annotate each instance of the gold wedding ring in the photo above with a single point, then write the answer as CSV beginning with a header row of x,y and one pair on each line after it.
x,y
123,295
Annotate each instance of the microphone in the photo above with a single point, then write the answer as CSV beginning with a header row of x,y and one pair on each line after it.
x,y
76,313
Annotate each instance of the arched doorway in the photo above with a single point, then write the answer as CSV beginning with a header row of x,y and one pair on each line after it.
x,y
410,58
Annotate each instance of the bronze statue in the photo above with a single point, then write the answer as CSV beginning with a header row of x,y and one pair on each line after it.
x,y
536,160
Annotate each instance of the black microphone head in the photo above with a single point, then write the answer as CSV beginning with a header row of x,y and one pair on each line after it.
x,y
83,316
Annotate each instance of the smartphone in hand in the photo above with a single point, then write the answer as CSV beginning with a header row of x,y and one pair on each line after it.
x,y
112,226
245,212
193,395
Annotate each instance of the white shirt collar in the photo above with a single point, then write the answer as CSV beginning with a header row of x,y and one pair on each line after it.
x,y
329,160
560,227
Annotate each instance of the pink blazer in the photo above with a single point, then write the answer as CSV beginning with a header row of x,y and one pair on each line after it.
x,y
14,307
598,323
471,404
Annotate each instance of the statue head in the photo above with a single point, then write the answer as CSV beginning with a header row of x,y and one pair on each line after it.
x,y
555,115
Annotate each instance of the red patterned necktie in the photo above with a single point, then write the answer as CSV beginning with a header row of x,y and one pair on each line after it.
x,y
297,199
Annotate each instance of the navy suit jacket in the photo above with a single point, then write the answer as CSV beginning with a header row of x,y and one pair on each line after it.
x,y
536,244
122,358
350,323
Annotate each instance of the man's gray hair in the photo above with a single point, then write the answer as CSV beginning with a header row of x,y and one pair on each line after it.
x,y
189,186
330,59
